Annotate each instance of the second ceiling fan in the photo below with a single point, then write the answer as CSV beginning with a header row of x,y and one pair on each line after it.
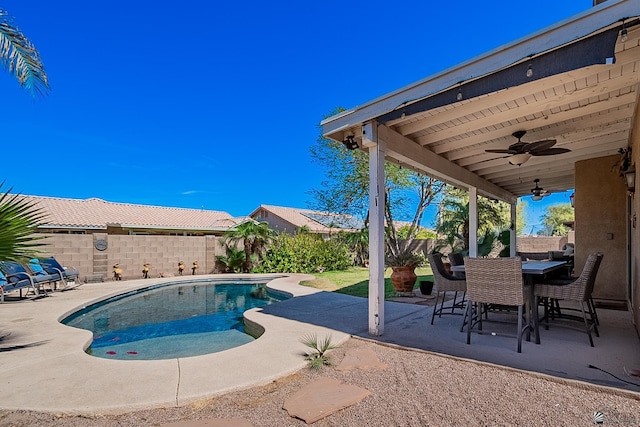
x,y
522,151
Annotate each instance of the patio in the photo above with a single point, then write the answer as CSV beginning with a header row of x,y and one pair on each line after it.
x,y
563,353
46,369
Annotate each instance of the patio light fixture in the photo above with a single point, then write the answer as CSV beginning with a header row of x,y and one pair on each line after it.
x,y
572,200
624,35
350,142
630,178
519,159
538,192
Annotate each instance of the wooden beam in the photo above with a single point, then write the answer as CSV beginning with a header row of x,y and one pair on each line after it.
x,y
407,152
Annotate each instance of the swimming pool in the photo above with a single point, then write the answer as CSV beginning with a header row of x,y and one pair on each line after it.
x,y
171,320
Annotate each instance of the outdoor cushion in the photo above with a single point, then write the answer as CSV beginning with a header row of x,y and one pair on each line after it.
x,y
37,269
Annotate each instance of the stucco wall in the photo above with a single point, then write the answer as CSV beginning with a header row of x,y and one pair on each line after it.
x,y
131,252
601,224
634,231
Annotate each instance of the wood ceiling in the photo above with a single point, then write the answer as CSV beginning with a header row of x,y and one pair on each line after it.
x,y
589,110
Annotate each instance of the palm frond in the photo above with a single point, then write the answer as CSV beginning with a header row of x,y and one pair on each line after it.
x,y
20,57
19,219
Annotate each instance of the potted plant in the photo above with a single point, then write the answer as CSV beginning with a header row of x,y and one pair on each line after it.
x,y
403,266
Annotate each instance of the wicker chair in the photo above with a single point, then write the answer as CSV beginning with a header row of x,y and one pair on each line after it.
x,y
576,289
456,258
445,282
495,282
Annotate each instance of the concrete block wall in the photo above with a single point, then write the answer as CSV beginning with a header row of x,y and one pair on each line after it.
x,y
132,251
71,250
540,243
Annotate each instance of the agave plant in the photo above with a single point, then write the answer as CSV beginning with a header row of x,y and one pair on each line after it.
x,y
18,221
319,357
20,57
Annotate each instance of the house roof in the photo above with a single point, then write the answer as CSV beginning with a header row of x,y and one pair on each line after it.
x,y
98,214
315,221
583,93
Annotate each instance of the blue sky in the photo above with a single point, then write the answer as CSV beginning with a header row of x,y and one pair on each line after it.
x,y
207,104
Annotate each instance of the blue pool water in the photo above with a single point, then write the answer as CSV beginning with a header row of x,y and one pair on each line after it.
x,y
171,320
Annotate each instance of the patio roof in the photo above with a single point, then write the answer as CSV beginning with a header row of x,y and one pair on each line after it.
x,y
583,93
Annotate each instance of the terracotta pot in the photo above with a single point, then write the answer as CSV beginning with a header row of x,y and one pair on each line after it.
x,y
403,278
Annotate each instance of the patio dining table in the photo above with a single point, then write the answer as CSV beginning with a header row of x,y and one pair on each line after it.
x,y
531,269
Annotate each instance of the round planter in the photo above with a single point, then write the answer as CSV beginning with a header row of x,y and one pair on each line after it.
x,y
426,286
403,278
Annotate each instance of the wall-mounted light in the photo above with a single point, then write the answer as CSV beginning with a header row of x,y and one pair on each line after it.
x,y
572,200
630,178
350,142
624,34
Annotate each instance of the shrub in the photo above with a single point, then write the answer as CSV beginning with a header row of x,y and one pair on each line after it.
x,y
304,253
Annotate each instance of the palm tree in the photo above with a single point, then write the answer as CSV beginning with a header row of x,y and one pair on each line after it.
x,y
254,236
18,221
20,57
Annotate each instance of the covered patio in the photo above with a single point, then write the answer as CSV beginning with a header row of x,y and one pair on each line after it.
x,y
575,83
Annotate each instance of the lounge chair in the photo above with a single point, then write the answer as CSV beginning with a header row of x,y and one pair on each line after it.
x,y
10,282
70,276
16,271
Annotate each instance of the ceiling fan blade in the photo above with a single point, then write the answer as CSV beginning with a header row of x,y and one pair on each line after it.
x,y
503,151
550,152
539,145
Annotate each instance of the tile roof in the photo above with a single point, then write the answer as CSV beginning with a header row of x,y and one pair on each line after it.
x,y
304,218
98,213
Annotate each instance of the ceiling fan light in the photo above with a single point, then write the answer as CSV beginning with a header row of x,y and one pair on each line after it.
x,y
519,159
536,197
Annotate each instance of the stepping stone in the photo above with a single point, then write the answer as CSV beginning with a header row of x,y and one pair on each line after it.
x,y
322,398
361,358
211,422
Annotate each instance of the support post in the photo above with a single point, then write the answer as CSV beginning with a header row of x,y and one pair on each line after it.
x,y
512,237
473,222
376,227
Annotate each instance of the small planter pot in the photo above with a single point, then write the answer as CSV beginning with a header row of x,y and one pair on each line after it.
x,y
426,286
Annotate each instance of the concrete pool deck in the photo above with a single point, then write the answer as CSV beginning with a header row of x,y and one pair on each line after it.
x,y
44,366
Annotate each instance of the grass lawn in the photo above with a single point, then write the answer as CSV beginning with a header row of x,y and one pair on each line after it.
x,y
355,281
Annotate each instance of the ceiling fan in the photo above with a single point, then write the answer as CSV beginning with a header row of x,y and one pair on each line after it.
x,y
537,193
522,151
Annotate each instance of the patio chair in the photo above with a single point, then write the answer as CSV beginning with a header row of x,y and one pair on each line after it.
x,y
446,282
574,289
495,282
456,258
18,278
69,274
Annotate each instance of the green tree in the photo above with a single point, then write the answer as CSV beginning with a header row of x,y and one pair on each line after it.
x,y
358,243
555,218
346,189
18,221
254,236
234,260
20,57
493,217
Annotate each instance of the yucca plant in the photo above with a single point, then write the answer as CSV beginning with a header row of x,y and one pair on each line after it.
x,y
19,219
319,357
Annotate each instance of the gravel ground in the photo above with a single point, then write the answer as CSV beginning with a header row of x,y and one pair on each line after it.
x,y
417,389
